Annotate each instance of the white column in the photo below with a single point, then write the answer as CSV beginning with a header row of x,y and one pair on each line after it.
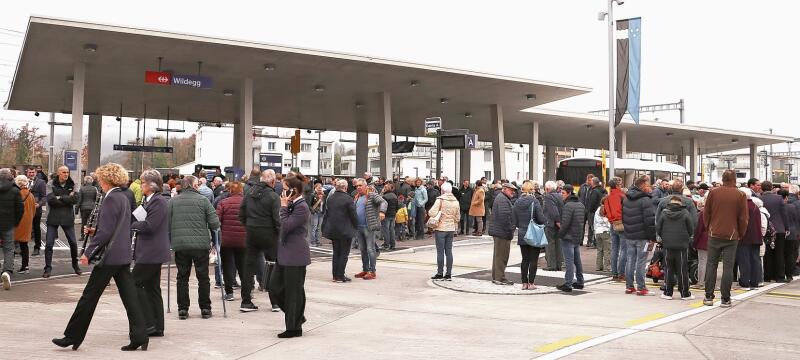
x,y
550,162
498,143
694,152
76,143
465,165
533,154
753,161
623,144
362,152
95,136
243,154
385,136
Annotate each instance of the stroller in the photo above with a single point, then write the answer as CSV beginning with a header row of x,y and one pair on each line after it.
x,y
655,270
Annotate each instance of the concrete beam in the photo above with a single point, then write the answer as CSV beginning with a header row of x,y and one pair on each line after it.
x,y
753,161
694,153
78,89
243,131
95,137
498,143
533,154
622,140
384,101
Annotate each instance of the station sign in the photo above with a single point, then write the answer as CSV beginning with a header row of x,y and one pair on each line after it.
x,y
143,148
71,159
169,79
272,161
432,126
471,141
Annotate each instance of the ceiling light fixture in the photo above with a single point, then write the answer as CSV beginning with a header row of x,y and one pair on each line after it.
x,y
319,88
530,96
734,140
670,133
70,79
227,92
414,83
359,105
589,126
444,100
468,114
90,48
269,67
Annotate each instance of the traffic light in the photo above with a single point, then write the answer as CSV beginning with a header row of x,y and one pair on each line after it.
x,y
296,142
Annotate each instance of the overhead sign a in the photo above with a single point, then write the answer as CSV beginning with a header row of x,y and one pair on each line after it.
x,y
433,125
169,79
472,141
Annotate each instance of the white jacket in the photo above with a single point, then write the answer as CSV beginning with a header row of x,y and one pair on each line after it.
x,y
601,223
764,215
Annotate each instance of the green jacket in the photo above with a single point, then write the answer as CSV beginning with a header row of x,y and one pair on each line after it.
x,y
192,216
136,187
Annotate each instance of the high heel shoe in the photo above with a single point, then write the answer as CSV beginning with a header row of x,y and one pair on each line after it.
x,y
135,346
65,342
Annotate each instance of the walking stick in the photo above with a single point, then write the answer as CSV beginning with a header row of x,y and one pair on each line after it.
x,y
169,277
221,278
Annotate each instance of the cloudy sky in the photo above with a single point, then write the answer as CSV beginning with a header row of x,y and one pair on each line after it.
x,y
734,62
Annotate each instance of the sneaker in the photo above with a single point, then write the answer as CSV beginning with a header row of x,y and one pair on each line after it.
x,y
507,282
217,286
346,279
708,302
370,276
6,281
24,270
564,288
183,314
690,297
437,277
666,297
644,292
275,308
577,286
46,274
205,313
497,282
725,303
630,290
229,297
248,307
447,277
361,274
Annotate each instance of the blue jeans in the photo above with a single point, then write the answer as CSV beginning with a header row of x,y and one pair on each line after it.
x,y
50,240
366,245
465,223
316,228
444,246
573,268
636,263
619,253
389,240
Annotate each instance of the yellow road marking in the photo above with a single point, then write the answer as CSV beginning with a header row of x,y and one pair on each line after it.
x,y
795,297
784,294
429,263
696,304
561,344
645,319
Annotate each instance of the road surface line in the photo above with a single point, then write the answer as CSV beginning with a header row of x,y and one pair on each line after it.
x,y
553,346
646,319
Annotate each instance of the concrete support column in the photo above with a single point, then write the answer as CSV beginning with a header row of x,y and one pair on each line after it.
x,y
498,143
550,162
76,143
753,161
385,136
533,154
465,164
95,136
622,140
243,131
694,153
362,152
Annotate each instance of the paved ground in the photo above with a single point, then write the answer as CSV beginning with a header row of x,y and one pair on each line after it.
x,y
404,315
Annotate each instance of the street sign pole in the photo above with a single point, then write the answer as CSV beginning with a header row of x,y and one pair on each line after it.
x,y
438,156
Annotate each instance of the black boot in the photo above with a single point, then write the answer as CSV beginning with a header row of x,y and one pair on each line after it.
x,y
290,334
65,342
133,346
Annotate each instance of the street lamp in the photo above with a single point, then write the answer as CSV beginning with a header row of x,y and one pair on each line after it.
x,y
610,16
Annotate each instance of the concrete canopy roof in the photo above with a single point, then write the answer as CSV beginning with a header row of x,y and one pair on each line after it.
x,y
282,97
591,131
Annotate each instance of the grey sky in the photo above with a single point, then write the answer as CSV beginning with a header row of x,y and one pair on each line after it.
x,y
734,62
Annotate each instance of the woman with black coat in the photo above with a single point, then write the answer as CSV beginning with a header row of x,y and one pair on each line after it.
x,y
527,208
110,248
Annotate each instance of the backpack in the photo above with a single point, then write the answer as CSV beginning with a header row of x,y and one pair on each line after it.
x,y
769,237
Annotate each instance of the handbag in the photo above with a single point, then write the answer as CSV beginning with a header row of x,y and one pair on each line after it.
x,y
618,226
535,235
433,221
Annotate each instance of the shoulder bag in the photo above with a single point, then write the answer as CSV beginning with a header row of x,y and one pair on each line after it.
x,y
535,235
433,221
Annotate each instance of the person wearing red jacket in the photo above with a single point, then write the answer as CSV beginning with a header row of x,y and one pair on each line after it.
x,y
233,235
613,208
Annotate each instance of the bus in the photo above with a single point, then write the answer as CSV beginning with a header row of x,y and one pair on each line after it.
x,y
574,170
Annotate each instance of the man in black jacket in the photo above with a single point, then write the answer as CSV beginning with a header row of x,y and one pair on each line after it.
x,y
571,235
339,225
501,228
39,190
774,258
464,202
11,210
638,218
391,211
61,201
260,214
553,205
592,204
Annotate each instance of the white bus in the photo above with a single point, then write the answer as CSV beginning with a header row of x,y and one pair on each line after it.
x,y
574,170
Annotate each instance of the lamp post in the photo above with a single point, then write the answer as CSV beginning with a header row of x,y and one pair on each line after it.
x,y
610,17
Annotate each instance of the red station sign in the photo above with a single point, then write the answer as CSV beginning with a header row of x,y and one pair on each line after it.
x,y
158,77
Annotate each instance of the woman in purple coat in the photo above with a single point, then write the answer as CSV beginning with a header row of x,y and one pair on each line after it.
x,y
287,281
112,239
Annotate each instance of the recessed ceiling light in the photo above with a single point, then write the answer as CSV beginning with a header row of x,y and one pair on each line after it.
x,y
530,96
670,133
734,140
90,48
467,114
444,100
227,92
319,88
359,105
70,79
589,126
269,67
414,83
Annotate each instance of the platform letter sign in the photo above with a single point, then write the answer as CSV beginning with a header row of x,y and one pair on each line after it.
x,y
71,159
472,141
432,126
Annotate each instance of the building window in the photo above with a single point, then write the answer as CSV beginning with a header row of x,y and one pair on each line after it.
x,y
324,148
345,166
271,145
288,146
428,164
487,155
518,156
305,164
487,175
305,147
287,164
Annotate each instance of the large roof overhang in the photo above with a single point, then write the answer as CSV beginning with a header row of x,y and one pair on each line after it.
x,y
283,97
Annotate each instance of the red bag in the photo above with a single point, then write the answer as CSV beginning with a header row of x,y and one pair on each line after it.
x,y
654,271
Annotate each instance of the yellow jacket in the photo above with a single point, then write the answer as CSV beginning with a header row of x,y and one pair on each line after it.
x,y
402,216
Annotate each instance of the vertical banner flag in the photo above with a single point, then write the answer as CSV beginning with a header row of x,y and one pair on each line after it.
x,y
629,62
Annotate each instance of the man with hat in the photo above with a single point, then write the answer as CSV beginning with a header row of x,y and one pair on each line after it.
x,y
501,228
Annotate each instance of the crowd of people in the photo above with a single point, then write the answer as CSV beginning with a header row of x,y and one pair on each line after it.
x,y
260,230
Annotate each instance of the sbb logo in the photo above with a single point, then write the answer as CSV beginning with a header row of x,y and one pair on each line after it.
x,y
163,79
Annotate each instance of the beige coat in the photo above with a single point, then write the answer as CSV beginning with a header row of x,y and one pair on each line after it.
x,y
476,208
451,212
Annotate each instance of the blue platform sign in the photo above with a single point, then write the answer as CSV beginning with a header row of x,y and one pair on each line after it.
x,y
472,141
71,159
272,161
197,82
